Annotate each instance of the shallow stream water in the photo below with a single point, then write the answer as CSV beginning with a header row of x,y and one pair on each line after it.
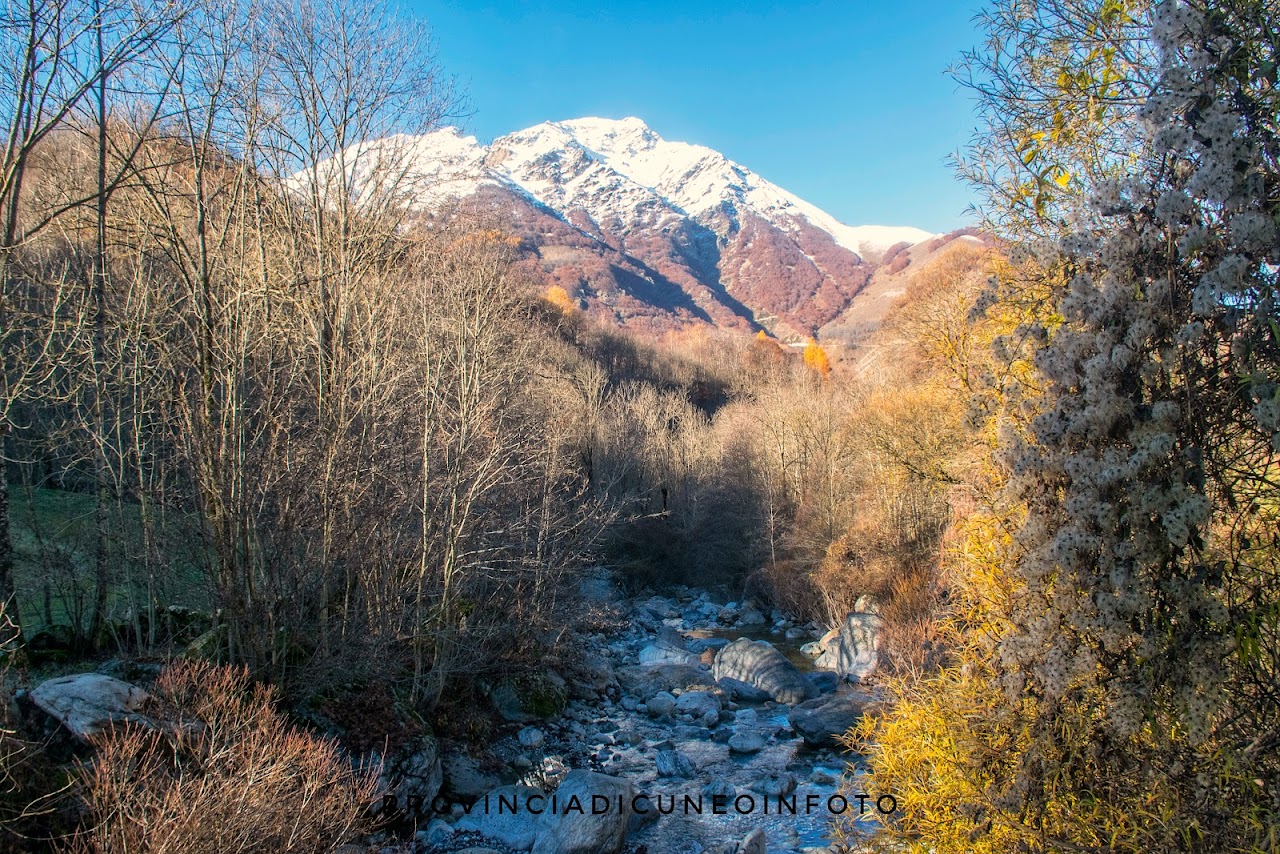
x,y
619,738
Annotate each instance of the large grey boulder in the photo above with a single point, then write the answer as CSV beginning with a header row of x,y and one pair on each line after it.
x,y
855,652
493,816
758,664
822,721
86,704
591,815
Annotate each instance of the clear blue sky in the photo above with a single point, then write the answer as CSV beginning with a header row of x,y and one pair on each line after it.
x,y
845,104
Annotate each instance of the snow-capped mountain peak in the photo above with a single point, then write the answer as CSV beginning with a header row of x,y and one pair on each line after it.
x,y
646,231
606,167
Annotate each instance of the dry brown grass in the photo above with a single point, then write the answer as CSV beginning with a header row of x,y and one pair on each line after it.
x,y
911,614
33,789
902,578
853,566
229,775
864,560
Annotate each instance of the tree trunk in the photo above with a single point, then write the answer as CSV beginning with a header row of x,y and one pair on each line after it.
x,y
99,434
8,594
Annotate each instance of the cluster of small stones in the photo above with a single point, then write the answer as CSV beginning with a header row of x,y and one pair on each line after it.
x,y
649,711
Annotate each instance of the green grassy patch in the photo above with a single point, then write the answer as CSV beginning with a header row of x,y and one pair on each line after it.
x,y
54,534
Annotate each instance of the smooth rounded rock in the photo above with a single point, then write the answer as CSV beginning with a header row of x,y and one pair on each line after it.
x,y
855,652
660,705
746,742
697,703
571,831
821,722
760,665
517,829
89,703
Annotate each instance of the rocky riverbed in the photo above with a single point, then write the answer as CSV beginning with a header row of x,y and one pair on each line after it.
x,y
714,740
679,725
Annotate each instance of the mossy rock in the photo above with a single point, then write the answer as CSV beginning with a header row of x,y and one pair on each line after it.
x,y
208,645
181,622
530,696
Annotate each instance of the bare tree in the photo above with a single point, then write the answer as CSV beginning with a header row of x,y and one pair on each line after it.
x,y
342,83
60,56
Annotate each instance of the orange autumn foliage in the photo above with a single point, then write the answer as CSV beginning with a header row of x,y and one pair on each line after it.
x,y
816,358
559,297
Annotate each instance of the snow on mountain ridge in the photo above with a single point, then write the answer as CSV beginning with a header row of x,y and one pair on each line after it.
x,y
549,163
621,171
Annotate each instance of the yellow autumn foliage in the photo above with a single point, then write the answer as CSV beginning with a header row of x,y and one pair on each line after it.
x,y
948,746
560,298
951,747
816,358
